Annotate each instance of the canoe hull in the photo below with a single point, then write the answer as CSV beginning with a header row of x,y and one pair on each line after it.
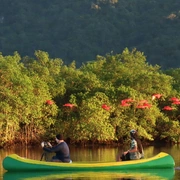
x,y
14,162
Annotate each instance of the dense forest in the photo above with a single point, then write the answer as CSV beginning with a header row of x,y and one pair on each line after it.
x,y
99,102
82,29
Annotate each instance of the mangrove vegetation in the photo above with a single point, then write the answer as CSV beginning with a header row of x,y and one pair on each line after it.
x,y
98,102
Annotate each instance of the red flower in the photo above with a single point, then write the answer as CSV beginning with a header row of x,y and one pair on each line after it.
x,y
167,108
49,102
174,99
143,101
128,100
176,102
141,107
69,105
143,104
124,102
147,105
156,96
106,107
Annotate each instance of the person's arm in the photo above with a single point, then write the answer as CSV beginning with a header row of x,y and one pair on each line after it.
x,y
52,149
133,147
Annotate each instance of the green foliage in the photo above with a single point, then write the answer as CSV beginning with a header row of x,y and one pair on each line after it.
x,y
23,111
175,74
26,115
48,70
94,121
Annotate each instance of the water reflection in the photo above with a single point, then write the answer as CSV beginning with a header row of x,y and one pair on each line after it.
x,y
161,174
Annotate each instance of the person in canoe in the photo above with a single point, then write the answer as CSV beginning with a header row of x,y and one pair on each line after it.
x,y
136,149
61,150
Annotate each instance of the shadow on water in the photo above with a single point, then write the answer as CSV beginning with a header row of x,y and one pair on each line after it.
x,y
158,174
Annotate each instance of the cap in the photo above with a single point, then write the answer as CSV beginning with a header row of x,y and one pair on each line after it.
x,y
133,131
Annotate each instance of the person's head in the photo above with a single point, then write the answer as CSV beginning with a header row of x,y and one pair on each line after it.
x,y
133,133
59,137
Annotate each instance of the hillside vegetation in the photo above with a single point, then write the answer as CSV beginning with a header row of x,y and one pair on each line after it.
x,y
82,29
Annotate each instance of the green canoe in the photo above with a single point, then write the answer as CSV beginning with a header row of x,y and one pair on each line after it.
x,y
14,162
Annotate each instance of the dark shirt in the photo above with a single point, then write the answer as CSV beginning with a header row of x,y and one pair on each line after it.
x,y
61,150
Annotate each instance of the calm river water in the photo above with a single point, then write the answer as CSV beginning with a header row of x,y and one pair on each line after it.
x,y
94,154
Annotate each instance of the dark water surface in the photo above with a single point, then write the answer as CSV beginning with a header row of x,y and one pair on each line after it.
x,y
104,154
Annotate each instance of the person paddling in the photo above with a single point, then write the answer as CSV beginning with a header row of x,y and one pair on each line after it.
x,y
61,150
